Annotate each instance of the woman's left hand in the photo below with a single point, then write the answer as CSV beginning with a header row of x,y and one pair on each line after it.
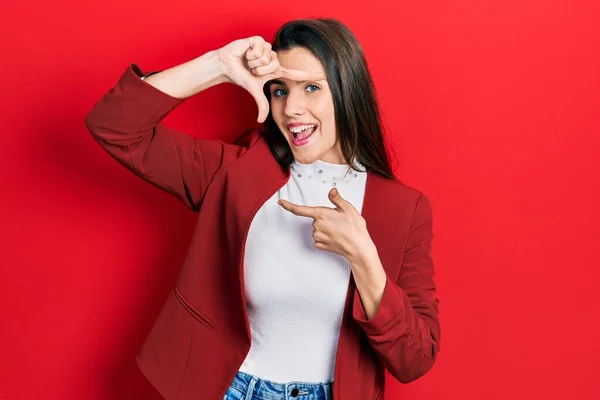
x,y
341,230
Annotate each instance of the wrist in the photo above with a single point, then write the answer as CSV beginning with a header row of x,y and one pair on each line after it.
x,y
208,71
218,66
365,254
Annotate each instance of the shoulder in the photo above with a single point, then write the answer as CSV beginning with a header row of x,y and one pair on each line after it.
x,y
421,204
408,200
395,188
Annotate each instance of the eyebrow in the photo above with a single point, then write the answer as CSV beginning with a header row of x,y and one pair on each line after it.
x,y
280,82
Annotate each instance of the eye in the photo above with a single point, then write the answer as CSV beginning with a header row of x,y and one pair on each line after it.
x,y
276,92
282,92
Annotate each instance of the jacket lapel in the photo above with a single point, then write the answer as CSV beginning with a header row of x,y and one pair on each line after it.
x,y
347,366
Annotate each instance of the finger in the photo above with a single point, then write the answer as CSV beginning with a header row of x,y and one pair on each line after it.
x,y
259,62
261,102
265,59
320,225
266,69
321,245
336,198
303,211
267,49
272,61
255,48
298,75
320,236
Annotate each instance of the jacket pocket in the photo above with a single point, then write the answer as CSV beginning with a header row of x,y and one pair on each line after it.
x,y
193,311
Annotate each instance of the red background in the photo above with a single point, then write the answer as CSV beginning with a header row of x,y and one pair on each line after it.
x,y
494,107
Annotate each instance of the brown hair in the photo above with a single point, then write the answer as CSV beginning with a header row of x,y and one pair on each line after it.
x,y
357,114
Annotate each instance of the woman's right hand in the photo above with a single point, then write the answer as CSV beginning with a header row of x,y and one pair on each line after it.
x,y
250,63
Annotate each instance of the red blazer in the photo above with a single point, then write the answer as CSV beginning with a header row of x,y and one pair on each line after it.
x,y
202,336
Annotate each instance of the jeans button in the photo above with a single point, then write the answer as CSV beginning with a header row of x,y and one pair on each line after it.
x,y
294,392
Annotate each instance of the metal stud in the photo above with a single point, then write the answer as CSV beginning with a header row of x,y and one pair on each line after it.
x,y
320,171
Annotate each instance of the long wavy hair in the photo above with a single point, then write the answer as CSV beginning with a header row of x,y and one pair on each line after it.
x,y
357,115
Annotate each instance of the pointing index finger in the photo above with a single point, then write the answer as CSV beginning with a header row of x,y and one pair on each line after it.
x,y
299,210
298,75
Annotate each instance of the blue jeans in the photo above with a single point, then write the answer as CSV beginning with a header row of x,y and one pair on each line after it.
x,y
250,387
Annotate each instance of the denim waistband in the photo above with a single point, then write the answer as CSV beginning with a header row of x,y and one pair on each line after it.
x,y
252,387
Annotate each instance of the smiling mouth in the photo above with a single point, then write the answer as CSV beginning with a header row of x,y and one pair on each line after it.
x,y
304,137
305,133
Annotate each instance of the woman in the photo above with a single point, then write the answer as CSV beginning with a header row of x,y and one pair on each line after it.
x,y
310,269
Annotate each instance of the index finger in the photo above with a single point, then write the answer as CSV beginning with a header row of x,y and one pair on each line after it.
x,y
302,211
298,75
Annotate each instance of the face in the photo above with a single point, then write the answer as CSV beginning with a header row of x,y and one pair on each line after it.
x,y
304,112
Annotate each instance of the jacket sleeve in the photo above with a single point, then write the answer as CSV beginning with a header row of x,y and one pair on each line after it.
x,y
126,122
405,331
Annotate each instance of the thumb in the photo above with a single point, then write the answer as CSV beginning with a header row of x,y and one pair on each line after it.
x,y
336,198
261,102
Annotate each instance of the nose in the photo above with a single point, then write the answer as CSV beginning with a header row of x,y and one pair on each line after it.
x,y
294,103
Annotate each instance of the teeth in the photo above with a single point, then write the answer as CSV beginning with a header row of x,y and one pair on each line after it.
x,y
298,129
